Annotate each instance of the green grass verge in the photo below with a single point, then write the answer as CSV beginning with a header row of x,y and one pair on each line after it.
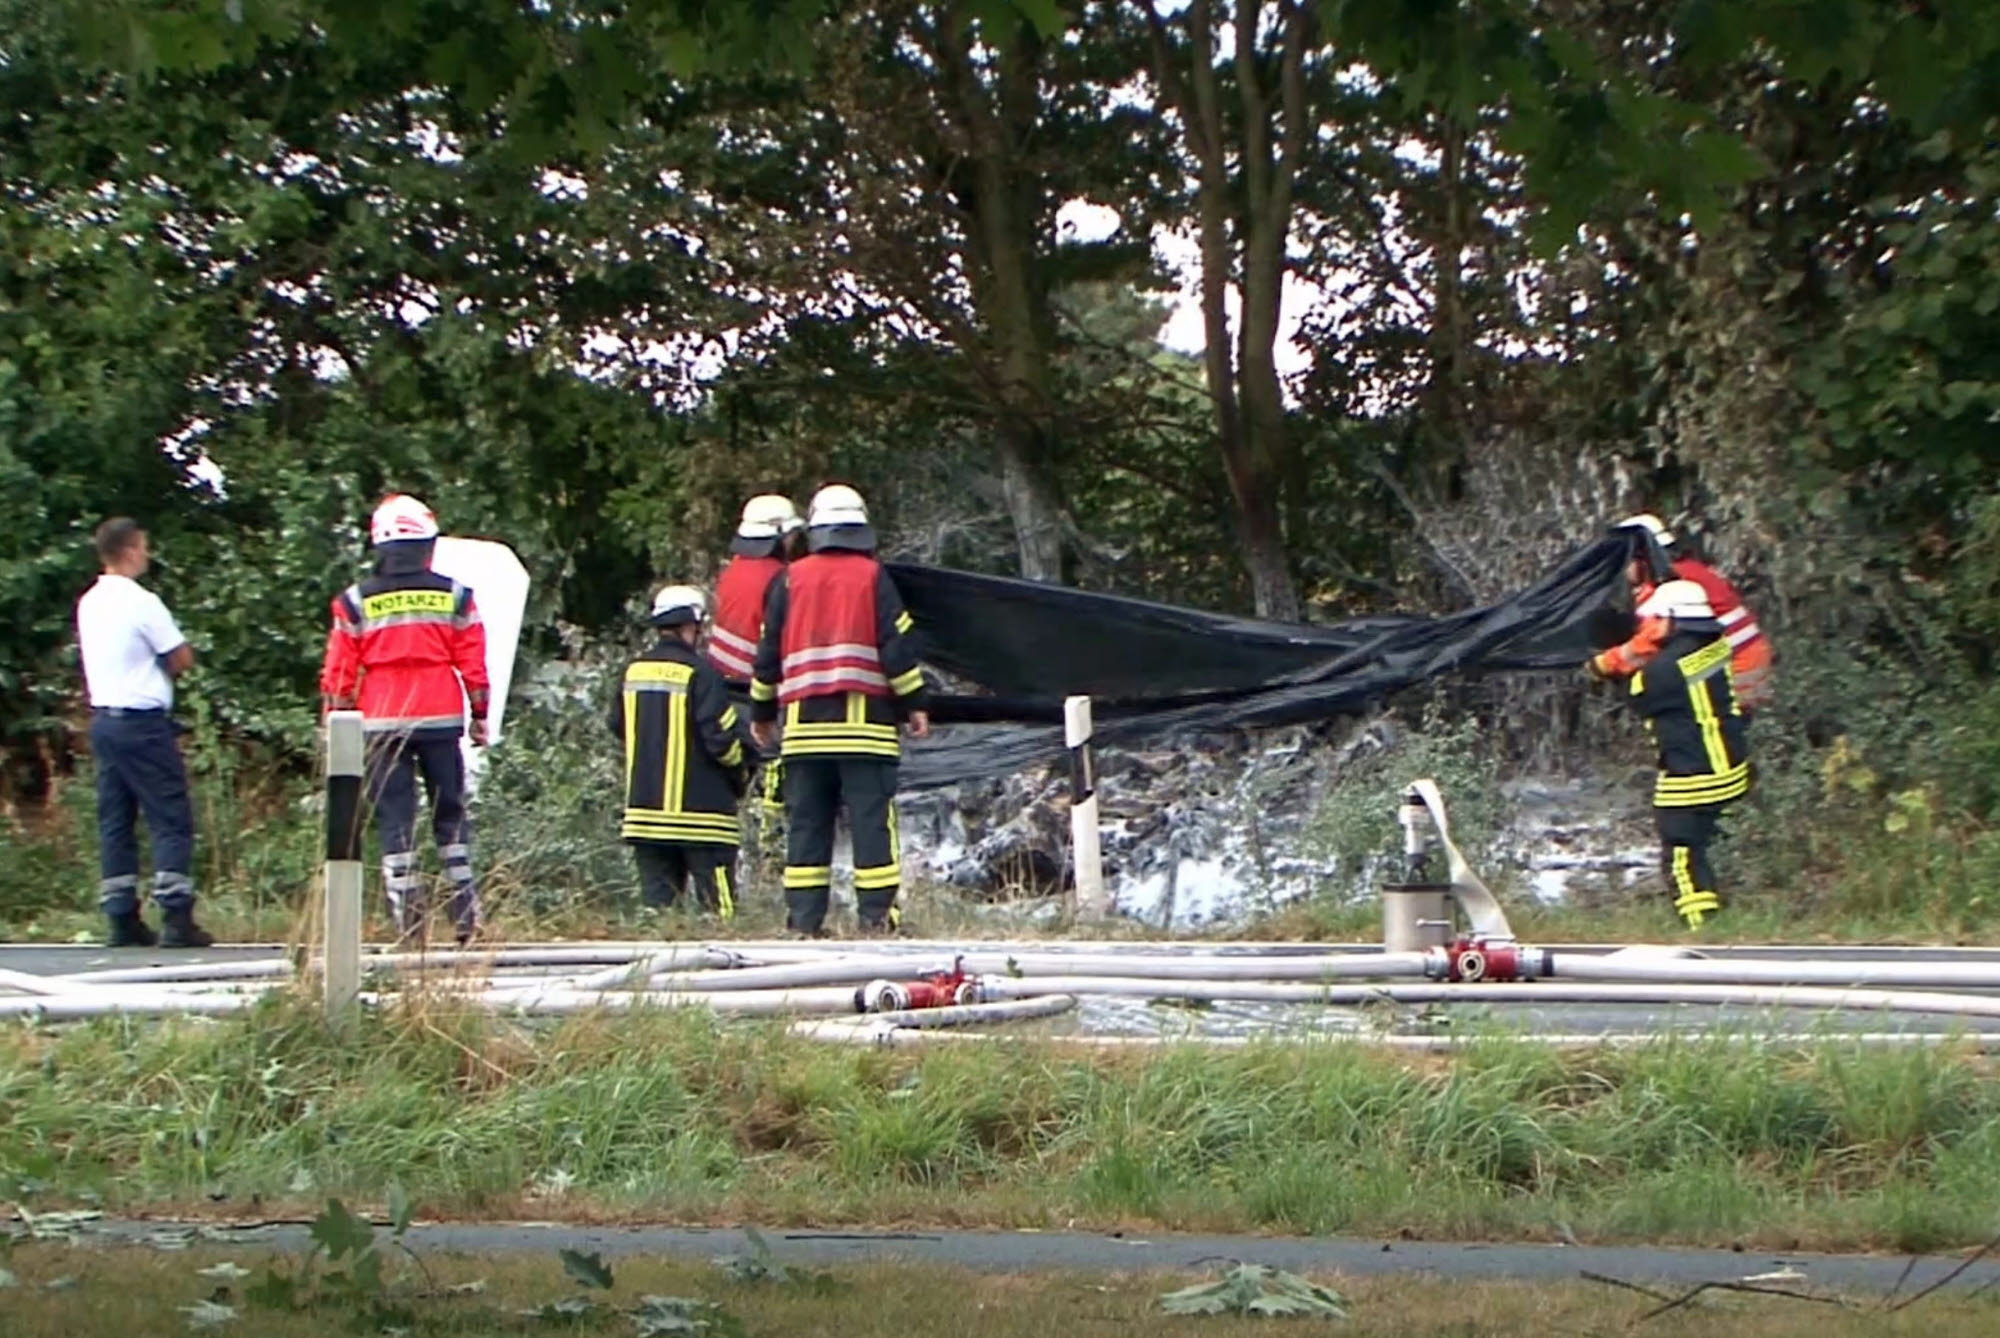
x,y
675,1116
130,1291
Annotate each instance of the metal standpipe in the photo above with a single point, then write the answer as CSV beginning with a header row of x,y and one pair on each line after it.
x,y
1423,911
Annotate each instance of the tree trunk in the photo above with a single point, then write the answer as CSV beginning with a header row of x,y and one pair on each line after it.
x,y
1242,370
1009,291
1031,503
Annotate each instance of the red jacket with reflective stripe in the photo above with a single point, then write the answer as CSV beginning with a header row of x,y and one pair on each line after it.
x,y
739,614
400,647
831,642
1749,648
1738,623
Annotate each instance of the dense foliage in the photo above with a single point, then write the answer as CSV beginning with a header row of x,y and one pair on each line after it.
x,y
586,273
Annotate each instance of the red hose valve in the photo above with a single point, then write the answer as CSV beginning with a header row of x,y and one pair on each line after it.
x,y
1476,960
934,989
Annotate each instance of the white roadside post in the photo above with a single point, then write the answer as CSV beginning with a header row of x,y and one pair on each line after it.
x,y
342,960
1087,900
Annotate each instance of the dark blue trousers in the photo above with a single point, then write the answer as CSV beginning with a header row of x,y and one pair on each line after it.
x,y
139,771
394,763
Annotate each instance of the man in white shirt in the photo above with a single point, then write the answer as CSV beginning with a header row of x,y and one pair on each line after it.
x,y
132,652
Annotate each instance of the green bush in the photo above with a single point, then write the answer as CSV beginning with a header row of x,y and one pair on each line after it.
x,y
1355,829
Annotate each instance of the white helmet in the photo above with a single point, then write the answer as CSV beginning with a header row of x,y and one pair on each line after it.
x,y
1651,524
768,516
401,517
836,504
1682,600
677,605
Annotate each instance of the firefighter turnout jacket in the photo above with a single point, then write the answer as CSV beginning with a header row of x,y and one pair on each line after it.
x,y
1685,695
684,762
836,658
403,641
1749,648
739,614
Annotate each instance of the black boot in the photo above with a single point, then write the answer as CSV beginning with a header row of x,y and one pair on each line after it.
x,y
180,931
130,930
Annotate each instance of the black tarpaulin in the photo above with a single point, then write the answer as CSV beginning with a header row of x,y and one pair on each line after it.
x,y
1155,671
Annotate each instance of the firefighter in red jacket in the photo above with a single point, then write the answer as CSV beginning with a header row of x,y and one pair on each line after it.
x,y
837,660
766,538
408,649
1657,557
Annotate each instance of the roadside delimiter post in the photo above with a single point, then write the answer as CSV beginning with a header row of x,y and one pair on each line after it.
x,y
342,971
1087,900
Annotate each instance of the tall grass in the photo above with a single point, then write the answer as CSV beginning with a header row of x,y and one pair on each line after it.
x,y
676,1115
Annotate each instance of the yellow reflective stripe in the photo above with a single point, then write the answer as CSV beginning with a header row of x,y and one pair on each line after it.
x,y
1709,781
1706,660
725,900
631,736
760,691
711,822
865,729
905,684
842,748
728,718
657,671
1697,798
904,622
1683,875
677,759
1711,725
876,878
732,756
808,877
634,830
857,709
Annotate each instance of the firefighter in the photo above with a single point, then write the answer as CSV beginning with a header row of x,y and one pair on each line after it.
x,y
1682,687
1658,556
837,660
408,649
768,535
685,764
766,538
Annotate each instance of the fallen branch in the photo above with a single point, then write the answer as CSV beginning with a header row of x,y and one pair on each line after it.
x,y
1608,1281
1901,1278
1948,1278
1749,1288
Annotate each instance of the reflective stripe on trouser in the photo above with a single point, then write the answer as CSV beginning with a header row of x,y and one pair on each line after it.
x,y
666,869
1685,836
393,766
816,789
140,774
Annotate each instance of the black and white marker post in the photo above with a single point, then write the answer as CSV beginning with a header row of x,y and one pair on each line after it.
x,y
341,969
1087,900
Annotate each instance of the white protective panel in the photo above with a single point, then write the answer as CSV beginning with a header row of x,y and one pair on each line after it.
x,y
500,587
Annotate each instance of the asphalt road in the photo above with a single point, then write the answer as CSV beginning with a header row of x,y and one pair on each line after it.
x,y
1035,1251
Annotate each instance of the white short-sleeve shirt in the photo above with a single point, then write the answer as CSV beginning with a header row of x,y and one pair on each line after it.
x,y
124,630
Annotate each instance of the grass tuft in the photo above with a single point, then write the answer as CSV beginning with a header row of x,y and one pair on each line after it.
x,y
673,1115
